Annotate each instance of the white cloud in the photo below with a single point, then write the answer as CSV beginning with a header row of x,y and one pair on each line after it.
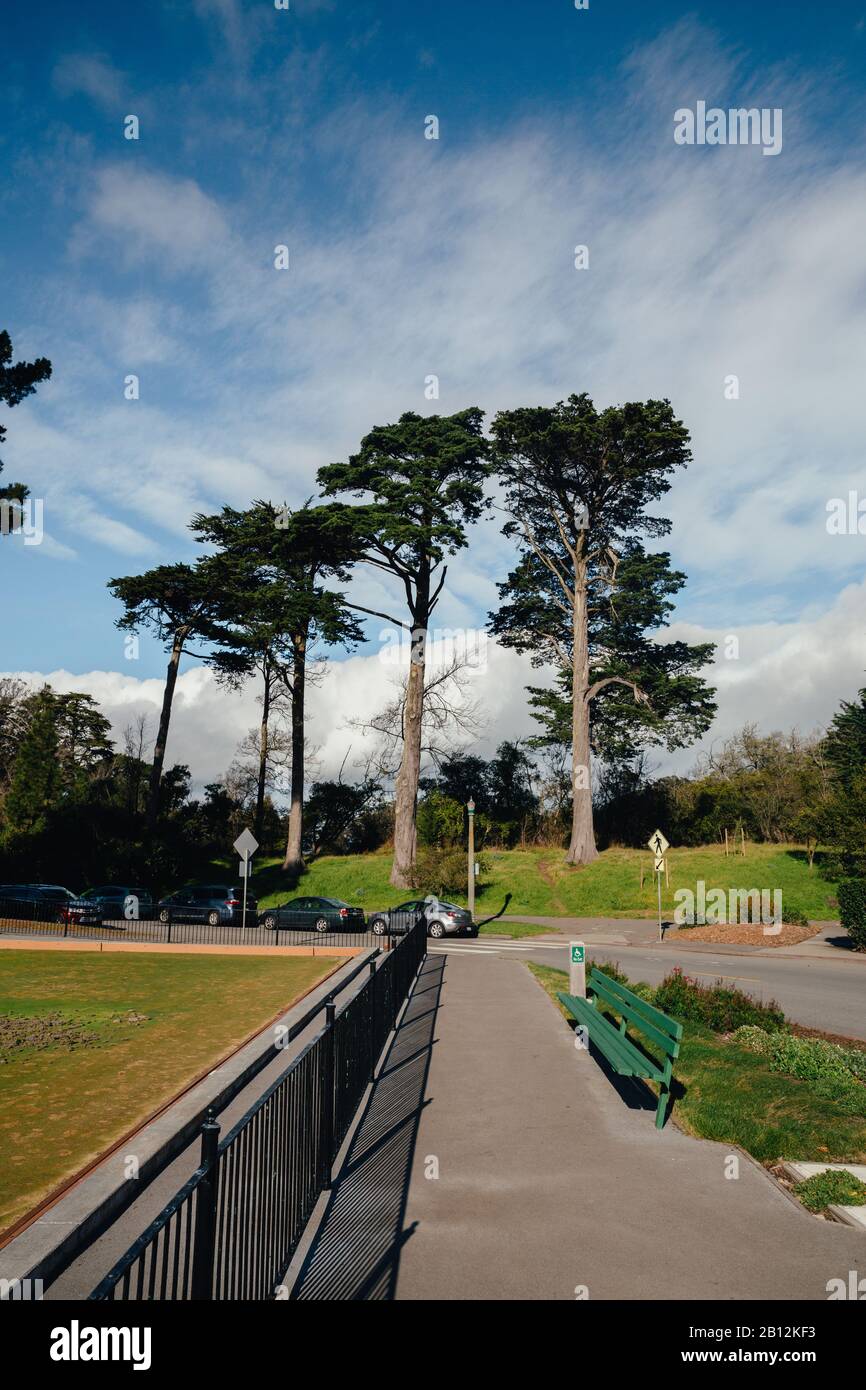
x,y
93,75
787,675
168,219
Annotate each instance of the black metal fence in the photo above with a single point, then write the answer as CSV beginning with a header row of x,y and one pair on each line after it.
x,y
41,920
232,1229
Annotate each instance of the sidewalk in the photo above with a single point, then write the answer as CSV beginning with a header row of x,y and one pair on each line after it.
x,y
551,1175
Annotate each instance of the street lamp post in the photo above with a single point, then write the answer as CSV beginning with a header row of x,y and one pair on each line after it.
x,y
470,806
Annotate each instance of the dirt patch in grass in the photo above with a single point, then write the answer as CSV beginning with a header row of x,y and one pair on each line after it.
x,y
34,1032
746,934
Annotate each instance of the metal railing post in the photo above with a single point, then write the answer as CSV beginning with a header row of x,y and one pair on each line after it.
x,y
329,1097
204,1238
373,1020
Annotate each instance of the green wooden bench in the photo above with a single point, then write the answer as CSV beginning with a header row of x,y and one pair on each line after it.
x,y
625,1058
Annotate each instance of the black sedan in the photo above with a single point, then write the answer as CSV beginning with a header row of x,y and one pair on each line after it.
x,y
111,903
314,914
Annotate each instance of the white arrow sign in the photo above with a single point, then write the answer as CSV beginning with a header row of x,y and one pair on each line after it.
x,y
246,844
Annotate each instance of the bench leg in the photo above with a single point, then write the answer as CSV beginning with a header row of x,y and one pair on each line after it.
x,y
661,1108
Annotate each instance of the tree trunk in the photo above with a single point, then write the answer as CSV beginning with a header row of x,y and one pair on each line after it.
x,y
162,732
406,789
582,848
263,754
294,860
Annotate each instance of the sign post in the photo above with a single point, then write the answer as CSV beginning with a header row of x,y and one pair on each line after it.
x,y
659,845
577,969
246,845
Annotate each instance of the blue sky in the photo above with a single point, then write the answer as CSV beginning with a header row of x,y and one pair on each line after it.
x,y
454,257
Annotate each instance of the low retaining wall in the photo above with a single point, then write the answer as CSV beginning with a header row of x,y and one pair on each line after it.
x,y
182,949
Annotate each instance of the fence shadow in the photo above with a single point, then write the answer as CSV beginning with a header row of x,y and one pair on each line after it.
x,y
355,1254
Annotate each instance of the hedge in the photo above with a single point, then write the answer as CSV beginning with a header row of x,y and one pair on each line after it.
x,y
852,910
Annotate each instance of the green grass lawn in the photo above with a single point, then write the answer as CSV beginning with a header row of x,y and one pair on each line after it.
x,y
90,1044
542,884
731,1095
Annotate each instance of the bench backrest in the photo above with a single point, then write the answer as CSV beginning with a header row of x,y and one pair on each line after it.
x,y
665,1032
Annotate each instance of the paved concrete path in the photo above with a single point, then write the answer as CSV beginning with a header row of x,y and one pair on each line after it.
x,y
551,1174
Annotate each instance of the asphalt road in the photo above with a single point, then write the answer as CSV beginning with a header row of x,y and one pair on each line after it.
x,y
823,994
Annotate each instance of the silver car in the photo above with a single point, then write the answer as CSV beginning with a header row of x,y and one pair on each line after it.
x,y
443,919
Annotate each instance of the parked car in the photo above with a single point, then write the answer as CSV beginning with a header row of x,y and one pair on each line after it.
x,y
443,919
37,902
108,904
214,903
314,914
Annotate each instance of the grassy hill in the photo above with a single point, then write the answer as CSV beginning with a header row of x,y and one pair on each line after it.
x,y
542,884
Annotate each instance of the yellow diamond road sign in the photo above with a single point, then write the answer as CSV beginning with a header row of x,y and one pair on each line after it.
x,y
657,842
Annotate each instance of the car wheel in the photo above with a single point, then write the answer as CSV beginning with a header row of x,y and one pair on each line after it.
x,y
436,929
270,922
379,926
213,919
164,914
323,925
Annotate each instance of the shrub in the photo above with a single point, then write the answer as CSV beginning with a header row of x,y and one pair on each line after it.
x,y
832,1071
444,871
852,910
833,1187
794,916
718,1006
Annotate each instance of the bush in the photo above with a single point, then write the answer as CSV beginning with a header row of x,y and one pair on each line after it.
x,y
794,916
445,871
852,910
717,1006
831,1070
833,1187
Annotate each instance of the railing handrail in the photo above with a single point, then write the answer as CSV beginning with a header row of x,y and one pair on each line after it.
x,y
186,1134
218,1151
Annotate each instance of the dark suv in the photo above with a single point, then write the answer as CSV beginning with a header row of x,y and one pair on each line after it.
x,y
37,902
110,904
214,903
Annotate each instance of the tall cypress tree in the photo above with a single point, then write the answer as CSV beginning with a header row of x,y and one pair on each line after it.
x,y
422,484
586,597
